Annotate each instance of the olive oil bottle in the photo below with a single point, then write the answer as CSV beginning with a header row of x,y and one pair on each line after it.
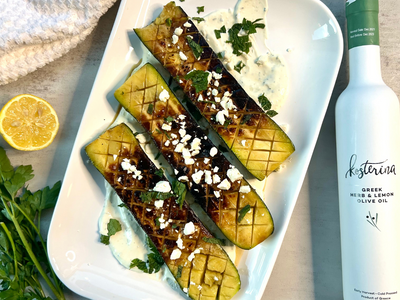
x,y
368,157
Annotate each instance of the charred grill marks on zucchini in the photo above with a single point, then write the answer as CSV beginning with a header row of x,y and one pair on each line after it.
x,y
194,263
217,186
258,142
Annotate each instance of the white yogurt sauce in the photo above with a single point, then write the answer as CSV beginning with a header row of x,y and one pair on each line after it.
x,y
264,73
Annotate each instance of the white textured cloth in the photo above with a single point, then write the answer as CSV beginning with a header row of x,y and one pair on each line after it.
x,y
35,32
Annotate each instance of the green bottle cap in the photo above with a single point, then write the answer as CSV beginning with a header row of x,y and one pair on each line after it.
x,y
362,22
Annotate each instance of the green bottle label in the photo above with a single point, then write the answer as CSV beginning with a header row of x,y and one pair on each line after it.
x,y
362,23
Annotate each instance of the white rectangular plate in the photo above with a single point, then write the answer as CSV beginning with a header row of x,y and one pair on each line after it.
x,y
84,264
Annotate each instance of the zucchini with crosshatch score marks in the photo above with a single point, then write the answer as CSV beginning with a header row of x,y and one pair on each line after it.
x,y
257,141
202,269
217,186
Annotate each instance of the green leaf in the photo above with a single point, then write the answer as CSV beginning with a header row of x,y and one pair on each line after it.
x,y
168,22
140,264
50,196
271,113
219,31
113,227
169,119
245,119
105,239
199,79
17,181
198,19
264,102
196,48
179,189
147,197
179,273
239,66
200,9
6,169
218,70
227,122
220,56
123,205
213,240
243,212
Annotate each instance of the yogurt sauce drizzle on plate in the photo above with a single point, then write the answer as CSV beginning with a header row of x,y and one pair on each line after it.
x,y
263,73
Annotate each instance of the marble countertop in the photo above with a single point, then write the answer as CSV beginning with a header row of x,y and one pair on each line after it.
x,y
309,263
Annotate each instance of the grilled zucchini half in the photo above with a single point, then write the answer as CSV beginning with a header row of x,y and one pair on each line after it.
x,y
202,269
258,142
217,186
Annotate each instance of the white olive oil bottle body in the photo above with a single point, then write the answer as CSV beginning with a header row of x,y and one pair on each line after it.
x,y
368,158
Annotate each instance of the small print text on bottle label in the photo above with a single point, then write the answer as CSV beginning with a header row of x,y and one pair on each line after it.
x,y
372,195
376,295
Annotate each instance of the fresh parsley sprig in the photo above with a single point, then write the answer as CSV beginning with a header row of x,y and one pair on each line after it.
x,y
23,252
199,79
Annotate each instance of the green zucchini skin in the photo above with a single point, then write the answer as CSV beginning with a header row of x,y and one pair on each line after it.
x,y
106,153
267,146
140,96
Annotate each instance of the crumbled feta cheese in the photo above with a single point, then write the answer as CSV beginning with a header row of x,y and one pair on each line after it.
x,y
213,151
220,117
175,142
179,243
197,176
115,156
216,179
182,132
244,189
195,144
159,203
164,96
207,177
175,39
162,186
234,174
206,160
189,228
183,178
182,117
214,92
215,169
186,138
213,106
200,98
217,194
173,135
119,179
182,55
224,185
217,99
186,153
167,143
166,127
179,148
216,83
185,290
176,171
215,278
148,209
175,254
178,31
189,161
216,75
199,287
191,255
187,25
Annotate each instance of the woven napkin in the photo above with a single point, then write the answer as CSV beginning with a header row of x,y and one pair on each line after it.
x,y
35,32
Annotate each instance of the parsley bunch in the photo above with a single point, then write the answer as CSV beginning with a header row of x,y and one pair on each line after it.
x,y
23,253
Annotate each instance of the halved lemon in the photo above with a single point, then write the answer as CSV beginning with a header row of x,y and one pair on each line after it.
x,y
28,123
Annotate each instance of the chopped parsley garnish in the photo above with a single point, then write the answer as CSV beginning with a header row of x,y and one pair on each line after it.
x,y
150,109
157,155
154,260
147,197
218,70
266,105
196,48
227,122
239,66
199,79
179,189
168,22
157,221
200,9
243,212
159,173
245,118
220,56
169,119
113,227
219,31
241,42
208,101
174,226
213,241
123,205
198,19
164,248
179,273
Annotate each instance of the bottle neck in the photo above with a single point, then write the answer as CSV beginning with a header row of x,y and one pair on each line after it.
x,y
365,65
